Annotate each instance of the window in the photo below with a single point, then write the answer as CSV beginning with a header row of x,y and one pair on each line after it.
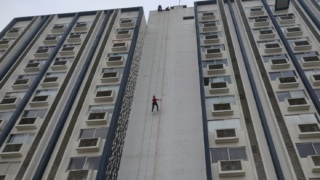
x,y
250,19
310,72
101,108
54,35
34,113
317,91
275,75
282,15
56,74
15,94
79,33
290,94
8,39
70,59
306,54
256,30
271,7
261,43
65,24
134,19
203,48
219,33
125,55
2,51
92,133
37,61
306,149
223,124
79,163
128,29
51,92
20,138
108,87
46,47
6,115
217,79
188,17
108,70
209,22
220,99
221,61
28,76
266,59
292,120
289,26
247,9
201,12
318,2
235,153
9,168
71,45
297,39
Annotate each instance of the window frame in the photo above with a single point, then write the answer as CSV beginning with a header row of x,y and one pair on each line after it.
x,y
229,153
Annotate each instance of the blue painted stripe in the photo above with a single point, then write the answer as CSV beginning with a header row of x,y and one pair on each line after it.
x,y
295,62
310,13
35,83
263,118
107,150
203,101
65,113
14,58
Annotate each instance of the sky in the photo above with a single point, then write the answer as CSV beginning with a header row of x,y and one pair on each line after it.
x,y
10,9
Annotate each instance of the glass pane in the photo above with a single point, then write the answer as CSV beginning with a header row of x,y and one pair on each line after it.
x,y
29,113
223,61
41,113
299,55
283,95
228,99
13,168
228,79
3,167
267,58
205,63
87,133
317,147
212,100
232,123
288,74
120,70
30,138
305,149
77,163
308,118
52,92
273,76
308,73
101,133
7,115
108,108
297,94
94,109
92,163
293,120
219,154
213,125
17,138
317,91
238,153
107,70
217,79
114,87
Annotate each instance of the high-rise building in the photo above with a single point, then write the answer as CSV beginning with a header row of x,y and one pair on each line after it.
x,y
237,83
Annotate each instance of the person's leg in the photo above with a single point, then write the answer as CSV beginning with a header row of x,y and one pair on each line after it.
x,y
152,107
157,106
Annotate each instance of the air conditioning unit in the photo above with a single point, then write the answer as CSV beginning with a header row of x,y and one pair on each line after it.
x,y
309,130
44,100
102,96
279,63
5,44
226,135
127,23
28,123
123,34
33,67
58,28
14,32
287,82
309,61
221,109
297,104
22,84
259,22
272,48
301,45
115,61
84,174
213,53
51,40
209,27
218,87
7,103
266,34
211,39
314,161
51,81
97,118
81,26
231,168
89,145
43,53
293,31
75,38
3,123
110,77
13,150
68,51
315,79
216,68
60,65
208,16
286,20
256,11
123,46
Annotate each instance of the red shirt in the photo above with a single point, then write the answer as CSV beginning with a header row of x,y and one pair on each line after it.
x,y
154,100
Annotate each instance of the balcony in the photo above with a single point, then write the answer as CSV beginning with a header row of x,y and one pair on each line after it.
x,y
28,123
213,53
208,16
43,53
310,61
293,32
287,82
60,65
13,150
126,23
231,168
266,34
260,22
97,118
4,44
68,51
226,135
256,12
58,28
216,69
123,34
120,46
272,48
110,77
115,61
14,32
50,40
314,161
89,145
44,100
297,104
81,26
211,39
279,63
301,45
218,87
310,130
315,79
76,38
286,20
83,174
209,27
33,67
103,96
51,81
22,84
7,103
221,109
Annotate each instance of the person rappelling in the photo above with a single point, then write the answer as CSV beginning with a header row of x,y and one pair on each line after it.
x,y
154,102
